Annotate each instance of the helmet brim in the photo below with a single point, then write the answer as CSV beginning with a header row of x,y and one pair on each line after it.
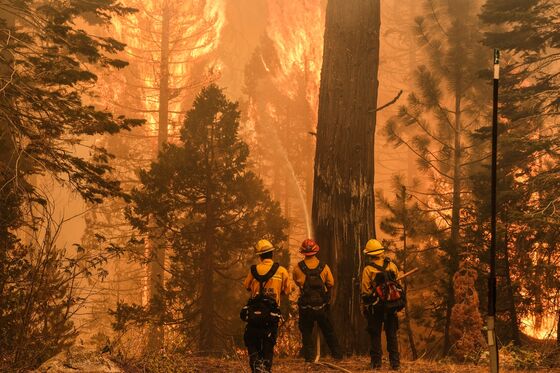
x,y
311,253
374,252
265,251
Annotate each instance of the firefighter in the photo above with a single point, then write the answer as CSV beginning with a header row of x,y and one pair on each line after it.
x,y
378,270
266,281
315,281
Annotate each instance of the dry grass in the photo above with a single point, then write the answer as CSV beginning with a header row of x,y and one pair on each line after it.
x,y
355,365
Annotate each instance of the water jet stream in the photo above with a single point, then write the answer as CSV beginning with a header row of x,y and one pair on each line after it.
x,y
301,196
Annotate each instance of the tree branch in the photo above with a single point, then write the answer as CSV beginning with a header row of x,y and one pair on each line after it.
x,y
388,103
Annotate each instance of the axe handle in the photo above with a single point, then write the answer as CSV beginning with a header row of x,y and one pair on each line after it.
x,y
407,273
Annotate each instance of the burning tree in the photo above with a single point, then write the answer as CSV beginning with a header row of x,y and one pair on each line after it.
x,y
437,122
343,198
168,44
281,84
212,209
528,164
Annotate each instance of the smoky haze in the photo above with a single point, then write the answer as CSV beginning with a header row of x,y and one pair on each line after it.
x,y
181,60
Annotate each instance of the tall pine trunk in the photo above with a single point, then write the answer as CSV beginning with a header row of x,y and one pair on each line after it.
x,y
343,201
156,268
454,245
407,322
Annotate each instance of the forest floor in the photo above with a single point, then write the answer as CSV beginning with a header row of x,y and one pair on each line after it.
x,y
354,365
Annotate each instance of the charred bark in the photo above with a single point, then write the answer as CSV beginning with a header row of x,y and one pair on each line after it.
x,y
343,201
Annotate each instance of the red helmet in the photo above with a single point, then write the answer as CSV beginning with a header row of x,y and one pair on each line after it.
x,y
309,247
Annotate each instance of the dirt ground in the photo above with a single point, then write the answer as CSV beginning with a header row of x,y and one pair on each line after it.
x,y
353,365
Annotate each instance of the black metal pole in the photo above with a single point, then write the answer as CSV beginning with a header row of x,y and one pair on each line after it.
x,y
492,340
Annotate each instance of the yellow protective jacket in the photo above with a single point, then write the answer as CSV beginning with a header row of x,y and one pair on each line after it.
x,y
312,263
369,273
278,284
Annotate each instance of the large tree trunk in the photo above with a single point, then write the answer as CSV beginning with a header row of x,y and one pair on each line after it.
x,y
156,244
343,202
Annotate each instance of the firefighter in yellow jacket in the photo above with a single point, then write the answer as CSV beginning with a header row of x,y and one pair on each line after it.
x,y
315,280
266,281
379,270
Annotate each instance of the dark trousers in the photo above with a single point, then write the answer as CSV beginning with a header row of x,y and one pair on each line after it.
x,y
260,346
307,319
390,322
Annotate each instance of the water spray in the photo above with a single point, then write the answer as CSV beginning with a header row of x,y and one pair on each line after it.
x,y
296,183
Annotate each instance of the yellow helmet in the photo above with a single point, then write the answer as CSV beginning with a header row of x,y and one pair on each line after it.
x,y
263,246
374,247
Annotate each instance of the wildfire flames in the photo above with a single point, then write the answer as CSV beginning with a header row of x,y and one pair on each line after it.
x,y
297,27
540,328
194,32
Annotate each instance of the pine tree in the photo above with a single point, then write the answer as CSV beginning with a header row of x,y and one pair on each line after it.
x,y
47,59
436,122
46,65
214,209
409,224
528,151
168,42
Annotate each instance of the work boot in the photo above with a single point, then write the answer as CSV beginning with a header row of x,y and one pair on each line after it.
x,y
260,367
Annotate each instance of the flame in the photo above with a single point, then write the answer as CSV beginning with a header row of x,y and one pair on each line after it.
x,y
296,28
540,327
195,33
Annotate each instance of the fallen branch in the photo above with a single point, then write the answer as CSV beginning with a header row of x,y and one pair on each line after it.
x,y
333,366
318,356
388,103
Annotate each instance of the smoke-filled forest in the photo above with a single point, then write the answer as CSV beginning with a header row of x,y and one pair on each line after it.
x,y
274,185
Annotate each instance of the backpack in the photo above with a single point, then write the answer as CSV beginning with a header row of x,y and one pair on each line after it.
x,y
388,293
262,310
314,294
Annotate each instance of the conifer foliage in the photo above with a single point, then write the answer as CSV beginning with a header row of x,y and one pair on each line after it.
x,y
46,64
528,161
445,108
212,208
